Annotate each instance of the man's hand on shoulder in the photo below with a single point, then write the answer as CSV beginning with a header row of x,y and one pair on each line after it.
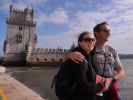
x,y
75,56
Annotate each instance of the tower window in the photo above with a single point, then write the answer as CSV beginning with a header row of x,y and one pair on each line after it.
x,y
53,60
37,59
61,60
20,28
18,38
45,59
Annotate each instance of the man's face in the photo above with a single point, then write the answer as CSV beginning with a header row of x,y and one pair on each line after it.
x,y
103,33
87,43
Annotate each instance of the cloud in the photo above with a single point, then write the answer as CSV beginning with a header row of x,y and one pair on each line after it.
x,y
4,4
58,16
86,20
1,50
123,4
122,43
61,41
35,2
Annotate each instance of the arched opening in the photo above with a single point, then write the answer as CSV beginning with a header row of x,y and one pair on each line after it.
x,y
37,59
20,28
53,60
45,59
60,60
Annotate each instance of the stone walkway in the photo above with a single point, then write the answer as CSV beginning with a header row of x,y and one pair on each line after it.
x,y
14,90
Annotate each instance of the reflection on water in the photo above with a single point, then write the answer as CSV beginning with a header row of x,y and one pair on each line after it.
x,y
39,79
127,83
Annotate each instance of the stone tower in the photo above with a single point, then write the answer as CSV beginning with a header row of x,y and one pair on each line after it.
x,y
21,35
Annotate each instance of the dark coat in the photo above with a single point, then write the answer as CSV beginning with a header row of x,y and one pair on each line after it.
x,y
76,81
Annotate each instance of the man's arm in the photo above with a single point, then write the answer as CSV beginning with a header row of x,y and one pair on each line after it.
x,y
119,71
75,56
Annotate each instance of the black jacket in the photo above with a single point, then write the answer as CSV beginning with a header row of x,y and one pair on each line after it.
x,y
77,81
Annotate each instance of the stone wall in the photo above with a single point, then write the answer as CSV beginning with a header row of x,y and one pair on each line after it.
x,y
46,56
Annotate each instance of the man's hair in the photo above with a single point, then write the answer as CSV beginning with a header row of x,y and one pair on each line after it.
x,y
80,38
97,28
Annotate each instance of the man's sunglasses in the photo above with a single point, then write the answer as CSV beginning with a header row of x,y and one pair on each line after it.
x,y
105,30
89,39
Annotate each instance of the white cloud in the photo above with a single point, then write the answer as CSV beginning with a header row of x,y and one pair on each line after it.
x,y
59,16
4,4
123,43
35,2
123,2
32,3
123,5
70,4
62,41
1,50
85,21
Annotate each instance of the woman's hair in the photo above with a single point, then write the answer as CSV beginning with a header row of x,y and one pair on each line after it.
x,y
80,38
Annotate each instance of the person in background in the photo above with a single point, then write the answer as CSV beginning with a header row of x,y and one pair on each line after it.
x,y
76,81
106,62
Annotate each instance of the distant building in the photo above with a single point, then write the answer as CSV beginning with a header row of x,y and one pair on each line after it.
x,y
21,40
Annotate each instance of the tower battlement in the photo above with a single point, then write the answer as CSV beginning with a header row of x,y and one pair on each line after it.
x,y
21,17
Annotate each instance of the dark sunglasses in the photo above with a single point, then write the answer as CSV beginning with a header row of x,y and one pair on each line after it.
x,y
89,39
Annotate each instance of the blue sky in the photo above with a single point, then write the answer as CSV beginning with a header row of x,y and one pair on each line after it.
x,y
60,21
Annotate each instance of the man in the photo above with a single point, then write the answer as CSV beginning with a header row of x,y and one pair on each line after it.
x,y
105,60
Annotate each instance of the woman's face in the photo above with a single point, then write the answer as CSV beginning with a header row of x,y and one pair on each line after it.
x,y
88,42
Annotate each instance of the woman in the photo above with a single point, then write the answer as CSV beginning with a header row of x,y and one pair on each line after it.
x,y
76,81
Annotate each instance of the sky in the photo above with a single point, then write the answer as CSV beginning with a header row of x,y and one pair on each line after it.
x,y
59,22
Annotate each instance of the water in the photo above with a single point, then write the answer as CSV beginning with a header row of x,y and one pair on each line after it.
x,y
127,83
39,79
